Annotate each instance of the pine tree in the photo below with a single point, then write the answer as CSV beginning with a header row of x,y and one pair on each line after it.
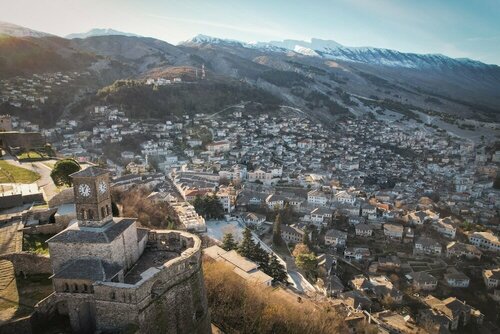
x,y
228,242
277,270
199,205
261,257
247,245
277,230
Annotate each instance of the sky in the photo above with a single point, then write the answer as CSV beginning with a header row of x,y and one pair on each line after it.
x,y
456,28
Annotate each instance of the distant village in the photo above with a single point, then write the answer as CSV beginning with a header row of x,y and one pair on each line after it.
x,y
403,219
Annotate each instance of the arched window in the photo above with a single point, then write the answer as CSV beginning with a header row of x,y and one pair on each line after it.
x,y
85,288
83,214
107,210
90,214
103,213
75,287
113,295
66,287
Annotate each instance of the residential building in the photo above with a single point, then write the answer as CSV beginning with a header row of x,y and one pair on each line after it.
x,y
320,215
364,230
491,278
456,279
459,249
427,246
393,231
423,281
485,240
291,234
317,197
335,238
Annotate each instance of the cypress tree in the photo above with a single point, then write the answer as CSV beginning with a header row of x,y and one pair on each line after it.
x,y
277,230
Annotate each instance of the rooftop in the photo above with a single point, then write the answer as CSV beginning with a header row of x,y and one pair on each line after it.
x,y
105,234
89,269
90,172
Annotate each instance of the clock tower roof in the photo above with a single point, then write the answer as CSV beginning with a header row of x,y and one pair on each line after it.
x,y
90,172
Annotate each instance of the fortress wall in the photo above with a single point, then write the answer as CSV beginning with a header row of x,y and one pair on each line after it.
x,y
26,140
64,197
170,299
45,229
28,263
181,309
129,249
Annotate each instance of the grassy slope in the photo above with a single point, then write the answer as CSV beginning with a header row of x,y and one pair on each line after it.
x,y
13,174
239,307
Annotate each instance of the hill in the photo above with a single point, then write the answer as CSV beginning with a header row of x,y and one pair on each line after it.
x,y
99,32
322,78
27,55
142,101
239,307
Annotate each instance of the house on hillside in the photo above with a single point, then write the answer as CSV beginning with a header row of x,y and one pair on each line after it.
x,y
335,238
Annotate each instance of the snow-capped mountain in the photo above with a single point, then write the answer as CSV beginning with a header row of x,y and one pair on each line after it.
x,y
332,50
291,44
100,32
18,31
204,39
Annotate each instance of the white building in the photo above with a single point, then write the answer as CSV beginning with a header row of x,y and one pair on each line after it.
x,y
485,240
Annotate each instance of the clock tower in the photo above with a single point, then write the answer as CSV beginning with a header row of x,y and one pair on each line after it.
x,y
92,197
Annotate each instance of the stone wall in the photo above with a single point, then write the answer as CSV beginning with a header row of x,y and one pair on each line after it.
x,y
66,196
47,229
27,140
18,326
26,263
123,250
169,299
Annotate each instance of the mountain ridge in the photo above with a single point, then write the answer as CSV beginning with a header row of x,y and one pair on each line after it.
x,y
332,81
100,32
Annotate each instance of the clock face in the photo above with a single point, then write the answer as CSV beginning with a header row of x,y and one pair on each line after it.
x,y
103,187
84,190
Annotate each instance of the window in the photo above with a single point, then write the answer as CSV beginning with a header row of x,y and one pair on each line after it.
x,y
103,213
75,287
107,210
90,214
85,288
83,214
66,287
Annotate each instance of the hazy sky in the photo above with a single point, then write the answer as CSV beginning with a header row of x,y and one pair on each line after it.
x,y
457,28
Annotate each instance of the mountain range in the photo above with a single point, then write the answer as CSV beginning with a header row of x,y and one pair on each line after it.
x,y
321,77
99,32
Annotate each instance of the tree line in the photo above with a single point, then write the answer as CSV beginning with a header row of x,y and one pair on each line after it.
x,y
268,263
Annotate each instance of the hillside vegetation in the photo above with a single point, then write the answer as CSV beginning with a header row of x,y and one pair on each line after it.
x,y
23,56
143,101
238,307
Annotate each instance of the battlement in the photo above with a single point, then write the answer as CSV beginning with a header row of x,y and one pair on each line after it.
x,y
169,257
